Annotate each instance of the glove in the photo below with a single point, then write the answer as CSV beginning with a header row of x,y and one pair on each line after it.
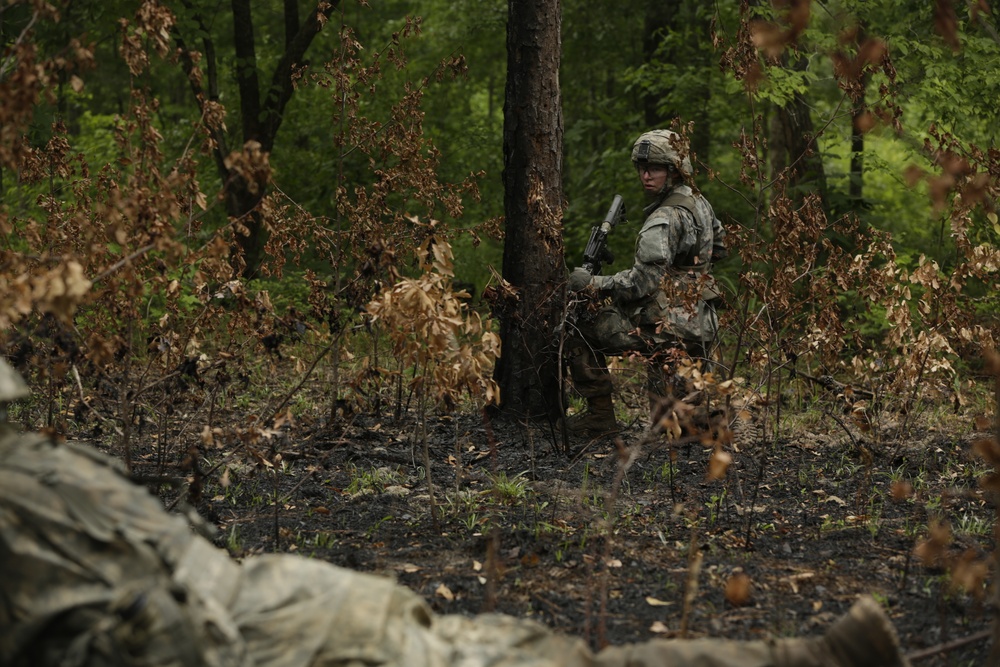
x,y
579,279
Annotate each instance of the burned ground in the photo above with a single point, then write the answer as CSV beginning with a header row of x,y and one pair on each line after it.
x,y
629,538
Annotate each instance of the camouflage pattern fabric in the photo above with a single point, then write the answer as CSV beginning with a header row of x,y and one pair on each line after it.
x,y
87,561
647,295
97,573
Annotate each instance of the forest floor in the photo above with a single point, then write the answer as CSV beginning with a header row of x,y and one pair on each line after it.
x,y
628,538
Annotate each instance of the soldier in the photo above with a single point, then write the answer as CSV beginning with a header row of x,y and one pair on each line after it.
x,y
97,573
652,308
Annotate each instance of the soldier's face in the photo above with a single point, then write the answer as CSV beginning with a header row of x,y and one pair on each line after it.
x,y
653,176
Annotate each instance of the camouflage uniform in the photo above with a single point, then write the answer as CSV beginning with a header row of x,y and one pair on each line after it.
x,y
672,252
663,300
96,573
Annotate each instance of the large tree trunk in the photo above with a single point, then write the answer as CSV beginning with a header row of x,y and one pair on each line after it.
x,y
528,371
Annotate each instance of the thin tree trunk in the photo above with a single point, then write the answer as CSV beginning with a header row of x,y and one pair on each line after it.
x,y
856,186
261,115
660,107
794,148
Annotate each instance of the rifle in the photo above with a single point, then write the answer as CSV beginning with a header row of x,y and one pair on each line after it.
x,y
597,253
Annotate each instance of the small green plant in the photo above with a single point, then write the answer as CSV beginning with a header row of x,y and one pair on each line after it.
x,y
912,529
476,523
232,493
324,540
373,480
233,543
509,490
374,528
972,524
830,524
715,506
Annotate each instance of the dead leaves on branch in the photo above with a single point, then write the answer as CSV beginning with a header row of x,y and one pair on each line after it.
x,y
773,37
27,78
152,27
771,34
251,166
450,348
58,291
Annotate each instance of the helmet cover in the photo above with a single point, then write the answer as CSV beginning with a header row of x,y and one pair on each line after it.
x,y
662,147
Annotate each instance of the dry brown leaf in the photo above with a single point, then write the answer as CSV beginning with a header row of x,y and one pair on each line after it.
x,y
738,589
719,464
901,490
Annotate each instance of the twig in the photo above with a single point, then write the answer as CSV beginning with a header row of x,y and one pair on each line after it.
x,y
8,63
841,424
993,360
626,457
302,381
83,399
691,586
830,384
948,646
122,262
913,395
492,570
427,462
758,482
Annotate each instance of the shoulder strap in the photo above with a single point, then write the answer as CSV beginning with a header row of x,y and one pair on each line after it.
x,y
686,202
680,200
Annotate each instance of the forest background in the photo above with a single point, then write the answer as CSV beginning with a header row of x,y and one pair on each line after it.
x,y
223,223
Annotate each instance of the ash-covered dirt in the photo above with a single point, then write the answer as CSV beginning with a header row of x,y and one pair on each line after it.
x,y
628,538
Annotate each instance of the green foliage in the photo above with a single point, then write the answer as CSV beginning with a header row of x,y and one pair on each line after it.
x,y
118,218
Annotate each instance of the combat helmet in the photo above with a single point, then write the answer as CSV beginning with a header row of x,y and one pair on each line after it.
x,y
662,147
12,387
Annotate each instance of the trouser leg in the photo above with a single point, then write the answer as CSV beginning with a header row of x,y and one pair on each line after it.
x,y
589,370
680,652
592,380
663,386
863,637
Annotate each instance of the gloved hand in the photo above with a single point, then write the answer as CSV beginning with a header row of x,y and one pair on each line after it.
x,y
579,279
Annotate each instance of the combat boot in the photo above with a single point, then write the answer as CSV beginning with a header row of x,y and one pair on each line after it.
x,y
598,420
864,637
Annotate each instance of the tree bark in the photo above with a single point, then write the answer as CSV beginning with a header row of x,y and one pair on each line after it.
x,y
528,371
246,69
657,20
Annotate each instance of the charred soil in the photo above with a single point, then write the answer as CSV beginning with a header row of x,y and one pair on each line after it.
x,y
628,538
